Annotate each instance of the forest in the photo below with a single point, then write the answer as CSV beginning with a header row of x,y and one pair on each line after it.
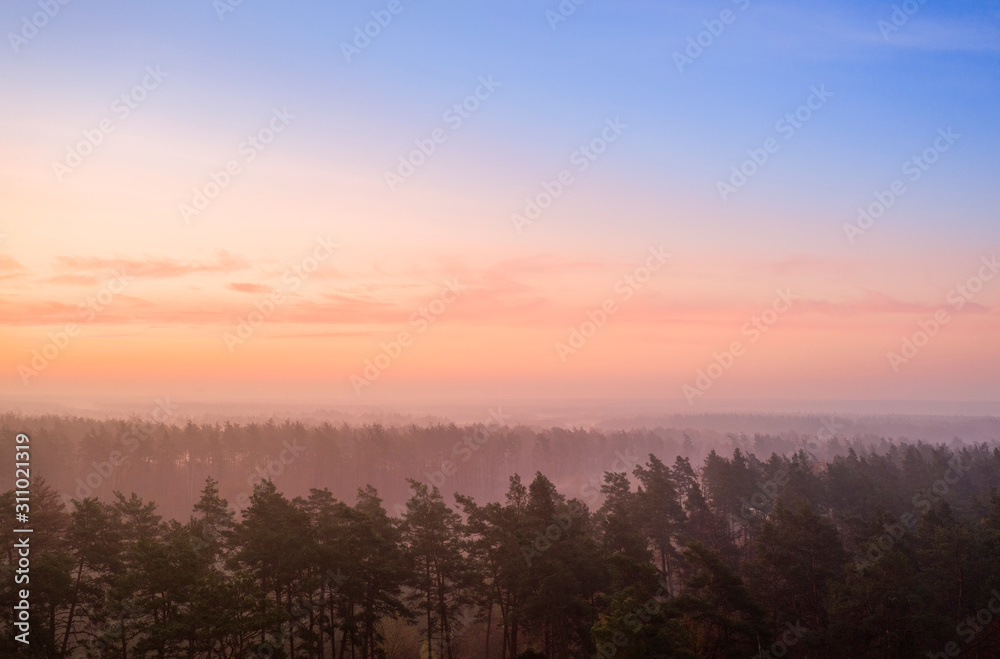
x,y
861,547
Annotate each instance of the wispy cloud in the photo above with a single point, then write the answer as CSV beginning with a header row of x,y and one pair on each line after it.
x,y
85,270
942,35
240,287
10,268
837,30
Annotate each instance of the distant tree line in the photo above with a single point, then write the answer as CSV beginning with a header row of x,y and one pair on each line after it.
x,y
891,554
164,458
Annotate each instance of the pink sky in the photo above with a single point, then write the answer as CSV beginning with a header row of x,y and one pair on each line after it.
x,y
179,321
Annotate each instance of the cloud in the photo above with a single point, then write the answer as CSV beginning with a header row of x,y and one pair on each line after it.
x,y
497,305
18,311
804,264
836,30
73,279
874,302
9,268
530,291
943,35
159,268
249,288
122,310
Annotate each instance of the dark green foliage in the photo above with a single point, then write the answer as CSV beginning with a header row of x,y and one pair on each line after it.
x,y
873,554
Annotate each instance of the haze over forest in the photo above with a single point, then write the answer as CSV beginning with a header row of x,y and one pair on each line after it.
x,y
498,539
534,329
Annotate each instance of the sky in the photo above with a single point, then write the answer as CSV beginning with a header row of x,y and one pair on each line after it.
x,y
477,201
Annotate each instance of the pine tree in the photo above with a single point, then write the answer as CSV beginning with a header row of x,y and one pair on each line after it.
x,y
50,584
273,543
94,538
799,557
661,514
379,572
442,582
721,617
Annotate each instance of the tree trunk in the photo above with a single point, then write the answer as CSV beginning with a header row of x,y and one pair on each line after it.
x,y
489,628
72,608
312,616
430,626
445,623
